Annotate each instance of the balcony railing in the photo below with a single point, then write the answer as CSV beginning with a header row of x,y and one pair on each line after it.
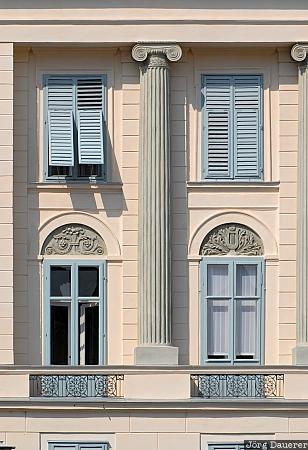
x,y
216,386
77,386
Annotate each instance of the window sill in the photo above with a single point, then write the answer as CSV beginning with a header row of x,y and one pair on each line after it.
x,y
268,186
75,186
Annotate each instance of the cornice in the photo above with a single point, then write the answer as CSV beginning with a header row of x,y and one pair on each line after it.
x,y
141,51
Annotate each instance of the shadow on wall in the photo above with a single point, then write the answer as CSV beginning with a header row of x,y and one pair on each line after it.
x,y
179,221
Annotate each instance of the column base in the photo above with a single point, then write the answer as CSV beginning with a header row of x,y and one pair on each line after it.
x,y
156,355
300,355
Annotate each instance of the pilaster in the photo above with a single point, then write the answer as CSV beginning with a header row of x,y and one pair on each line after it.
x,y
300,352
154,240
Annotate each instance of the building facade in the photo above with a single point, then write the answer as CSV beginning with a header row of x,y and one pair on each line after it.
x,y
153,224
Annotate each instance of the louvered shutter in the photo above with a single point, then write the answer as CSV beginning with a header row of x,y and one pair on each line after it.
x,y
247,127
60,121
217,126
90,105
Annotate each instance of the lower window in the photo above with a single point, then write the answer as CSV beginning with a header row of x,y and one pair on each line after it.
x,y
226,446
74,313
80,446
232,309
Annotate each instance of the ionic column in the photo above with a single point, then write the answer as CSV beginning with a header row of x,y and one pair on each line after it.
x,y
300,352
154,285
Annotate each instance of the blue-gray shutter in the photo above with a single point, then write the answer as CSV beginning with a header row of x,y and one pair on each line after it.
x,y
217,126
90,110
247,127
60,103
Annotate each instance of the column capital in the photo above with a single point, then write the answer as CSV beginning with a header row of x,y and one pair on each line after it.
x,y
299,51
142,51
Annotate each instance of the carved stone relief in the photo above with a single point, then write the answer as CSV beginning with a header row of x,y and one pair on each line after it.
x,y
232,239
74,239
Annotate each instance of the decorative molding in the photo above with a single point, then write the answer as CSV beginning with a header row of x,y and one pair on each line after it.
x,y
232,239
141,52
299,52
74,239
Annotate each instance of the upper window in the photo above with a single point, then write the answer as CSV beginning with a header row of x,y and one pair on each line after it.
x,y
75,127
232,127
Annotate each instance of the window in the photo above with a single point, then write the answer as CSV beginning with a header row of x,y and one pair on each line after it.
x,y
232,127
72,446
232,310
226,446
75,127
74,312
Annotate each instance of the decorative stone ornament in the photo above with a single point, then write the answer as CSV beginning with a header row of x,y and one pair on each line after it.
x,y
74,239
232,239
299,52
172,52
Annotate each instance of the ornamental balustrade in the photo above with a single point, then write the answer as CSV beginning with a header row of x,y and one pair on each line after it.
x,y
77,386
223,386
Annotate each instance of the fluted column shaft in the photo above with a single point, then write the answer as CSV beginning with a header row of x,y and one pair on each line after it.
x,y
300,352
154,286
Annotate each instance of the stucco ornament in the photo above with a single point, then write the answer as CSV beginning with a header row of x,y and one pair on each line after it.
x,y
172,52
299,52
232,239
74,239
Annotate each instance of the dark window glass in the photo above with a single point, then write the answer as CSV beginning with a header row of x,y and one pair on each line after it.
x,y
89,170
60,281
88,281
59,330
60,171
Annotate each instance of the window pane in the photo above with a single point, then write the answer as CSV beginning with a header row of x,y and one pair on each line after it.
x,y
246,280
217,280
59,334
218,329
246,329
88,333
88,281
89,170
59,171
60,281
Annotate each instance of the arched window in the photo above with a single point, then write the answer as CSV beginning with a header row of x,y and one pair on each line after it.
x,y
232,296
74,296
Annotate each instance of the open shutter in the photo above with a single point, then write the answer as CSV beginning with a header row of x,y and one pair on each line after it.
x,y
217,126
247,127
60,121
90,105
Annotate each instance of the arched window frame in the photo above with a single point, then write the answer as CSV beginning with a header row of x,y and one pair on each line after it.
x,y
85,252
232,260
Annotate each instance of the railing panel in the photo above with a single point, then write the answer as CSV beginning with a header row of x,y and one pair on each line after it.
x,y
237,386
82,386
